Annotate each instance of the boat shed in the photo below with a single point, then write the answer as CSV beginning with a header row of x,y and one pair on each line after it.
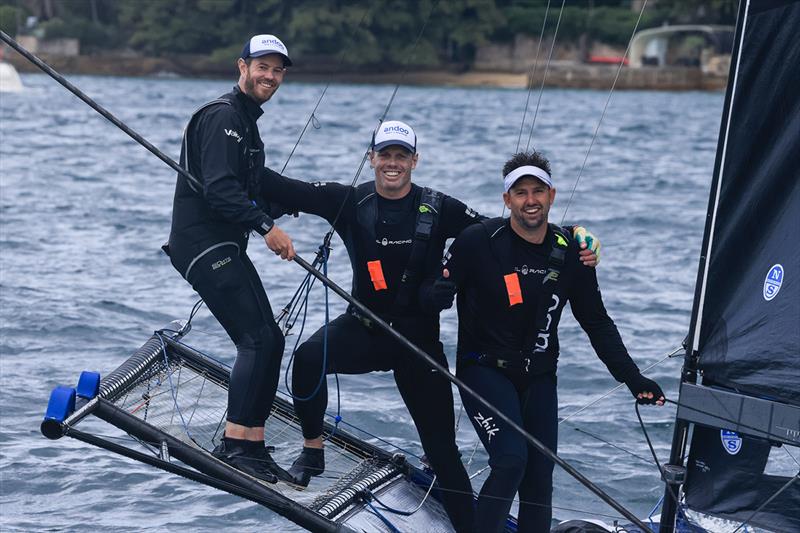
x,y
703,46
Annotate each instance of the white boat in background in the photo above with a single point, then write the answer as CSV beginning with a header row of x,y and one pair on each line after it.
x,y
9,79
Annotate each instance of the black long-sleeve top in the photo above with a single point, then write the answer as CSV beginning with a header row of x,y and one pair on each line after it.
x,y
223,150
489,324
387,238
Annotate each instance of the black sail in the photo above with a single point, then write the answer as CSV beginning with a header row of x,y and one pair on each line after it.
x,y
749,326
744,341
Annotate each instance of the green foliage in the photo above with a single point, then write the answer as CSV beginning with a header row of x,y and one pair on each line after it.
x,y
8,19
377,33
92,36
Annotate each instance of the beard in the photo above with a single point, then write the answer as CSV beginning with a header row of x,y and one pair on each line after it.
x,y
250,90
531,223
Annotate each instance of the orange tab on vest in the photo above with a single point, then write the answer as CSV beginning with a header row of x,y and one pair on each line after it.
x,y
512,288
376,275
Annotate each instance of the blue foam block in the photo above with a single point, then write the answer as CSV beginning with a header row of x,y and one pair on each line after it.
x,y
88,384
61,404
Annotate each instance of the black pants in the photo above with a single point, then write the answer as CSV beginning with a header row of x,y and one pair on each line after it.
x,y
516,466
229,285
355,349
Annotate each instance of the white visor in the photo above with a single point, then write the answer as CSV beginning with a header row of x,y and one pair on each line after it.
x,y
527,170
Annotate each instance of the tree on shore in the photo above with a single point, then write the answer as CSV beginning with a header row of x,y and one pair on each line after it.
x,y
380,34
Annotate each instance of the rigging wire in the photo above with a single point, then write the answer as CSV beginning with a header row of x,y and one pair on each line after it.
x,y
546,70
592,402
532,75
312,118
603,114
604,441
767,502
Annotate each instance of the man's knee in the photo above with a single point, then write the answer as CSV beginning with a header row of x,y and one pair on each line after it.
x,y
509,466
308,355
261,343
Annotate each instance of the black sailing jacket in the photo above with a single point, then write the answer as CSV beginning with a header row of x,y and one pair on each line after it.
x,y
222,148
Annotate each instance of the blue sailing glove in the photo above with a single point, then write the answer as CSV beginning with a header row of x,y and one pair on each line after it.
x,y
589,244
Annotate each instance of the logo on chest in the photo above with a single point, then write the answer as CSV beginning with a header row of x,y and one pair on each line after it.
x,y
235,134
388,242
524,270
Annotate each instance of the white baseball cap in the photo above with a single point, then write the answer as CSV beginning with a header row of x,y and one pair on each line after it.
x,y
394,132
261,45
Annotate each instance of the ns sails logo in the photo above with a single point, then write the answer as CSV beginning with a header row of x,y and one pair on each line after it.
x,y
731,441
773,282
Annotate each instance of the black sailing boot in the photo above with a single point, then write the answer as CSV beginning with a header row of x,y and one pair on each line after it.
x,y
310,462
252,458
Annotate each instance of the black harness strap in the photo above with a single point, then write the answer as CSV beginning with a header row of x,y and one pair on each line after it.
x,y
430,205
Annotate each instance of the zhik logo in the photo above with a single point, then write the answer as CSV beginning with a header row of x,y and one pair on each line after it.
x,y
487,424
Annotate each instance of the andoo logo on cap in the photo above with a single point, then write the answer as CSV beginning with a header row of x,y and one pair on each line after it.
x,y
273,42
398,129
731,441
773,282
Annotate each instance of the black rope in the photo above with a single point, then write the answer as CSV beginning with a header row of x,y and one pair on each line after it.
x,y
655,457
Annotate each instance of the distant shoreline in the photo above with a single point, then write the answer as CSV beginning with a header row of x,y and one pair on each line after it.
x,y
561,74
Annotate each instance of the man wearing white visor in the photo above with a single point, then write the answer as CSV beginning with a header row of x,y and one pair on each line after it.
x,y
514,277
211,221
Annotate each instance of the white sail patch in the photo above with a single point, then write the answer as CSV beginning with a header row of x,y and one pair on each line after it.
x,y
773,282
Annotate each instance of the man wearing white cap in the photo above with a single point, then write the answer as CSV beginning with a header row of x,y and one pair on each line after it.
x,y
394,232
211,223
514,277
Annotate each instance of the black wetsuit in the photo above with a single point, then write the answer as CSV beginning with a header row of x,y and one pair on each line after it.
x,y
376,229
207,244
492,334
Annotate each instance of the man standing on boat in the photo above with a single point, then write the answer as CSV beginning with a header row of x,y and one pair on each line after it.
x,y
514,277
211,222
394,232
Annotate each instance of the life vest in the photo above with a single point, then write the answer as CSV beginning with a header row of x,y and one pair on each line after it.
x,y
537,337
427,204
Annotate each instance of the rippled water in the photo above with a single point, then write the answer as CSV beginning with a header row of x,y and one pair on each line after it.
x,y
83,282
